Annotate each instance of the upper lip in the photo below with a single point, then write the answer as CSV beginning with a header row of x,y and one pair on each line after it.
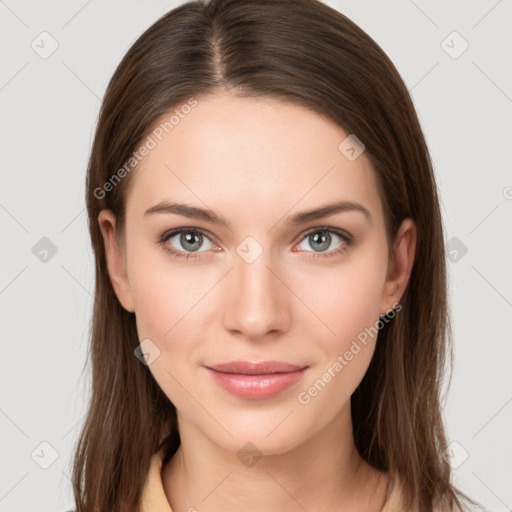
x,y
255,368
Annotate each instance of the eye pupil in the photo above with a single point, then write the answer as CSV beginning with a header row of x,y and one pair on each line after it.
x,y
191,237
323,238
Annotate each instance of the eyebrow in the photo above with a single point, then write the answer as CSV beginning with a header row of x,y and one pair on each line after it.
x,y
193,212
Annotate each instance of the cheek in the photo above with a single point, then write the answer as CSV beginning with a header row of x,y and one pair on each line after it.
x,y
165,314
348,301
350,308
164,294
156,303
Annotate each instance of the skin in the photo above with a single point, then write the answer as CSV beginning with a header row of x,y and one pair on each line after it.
x,y
256,162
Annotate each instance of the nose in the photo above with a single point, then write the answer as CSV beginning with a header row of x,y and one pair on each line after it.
x,y
258,300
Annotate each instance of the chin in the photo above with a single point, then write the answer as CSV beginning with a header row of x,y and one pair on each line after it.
x,y
270,436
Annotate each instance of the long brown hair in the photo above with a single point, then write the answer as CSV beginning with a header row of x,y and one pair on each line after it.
x,y
308,54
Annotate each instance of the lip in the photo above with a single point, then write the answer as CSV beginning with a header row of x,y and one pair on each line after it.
x,y
256,380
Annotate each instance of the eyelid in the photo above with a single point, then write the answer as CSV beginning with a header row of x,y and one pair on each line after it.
x,y
176,231
337,231
163,239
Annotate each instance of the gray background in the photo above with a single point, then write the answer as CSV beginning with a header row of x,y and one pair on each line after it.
x,y
49,109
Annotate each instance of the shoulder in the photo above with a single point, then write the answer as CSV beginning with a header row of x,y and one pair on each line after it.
x,y
395,501
447,509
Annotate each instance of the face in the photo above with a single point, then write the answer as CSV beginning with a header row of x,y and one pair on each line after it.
x,y
248,277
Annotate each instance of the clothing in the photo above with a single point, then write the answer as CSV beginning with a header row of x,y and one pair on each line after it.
x,y
155,500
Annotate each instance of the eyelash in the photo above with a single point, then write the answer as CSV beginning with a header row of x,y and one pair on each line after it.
x,y
347,242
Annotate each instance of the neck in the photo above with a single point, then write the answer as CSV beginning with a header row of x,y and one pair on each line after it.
x,y
325,472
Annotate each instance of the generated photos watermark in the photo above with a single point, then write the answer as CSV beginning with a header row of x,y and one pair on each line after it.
x,y
305,397
143,150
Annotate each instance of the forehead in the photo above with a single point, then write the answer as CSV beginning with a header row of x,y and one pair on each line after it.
x,y
251,155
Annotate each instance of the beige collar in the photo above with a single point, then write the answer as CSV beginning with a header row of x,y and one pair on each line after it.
x,y
155,500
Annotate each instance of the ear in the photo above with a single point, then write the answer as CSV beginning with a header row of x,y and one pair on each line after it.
x,y
400,265
116,260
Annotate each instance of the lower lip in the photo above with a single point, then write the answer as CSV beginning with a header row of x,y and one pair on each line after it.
x,y
256,387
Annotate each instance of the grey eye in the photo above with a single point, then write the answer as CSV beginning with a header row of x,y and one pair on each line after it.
x,y
321,240
189,240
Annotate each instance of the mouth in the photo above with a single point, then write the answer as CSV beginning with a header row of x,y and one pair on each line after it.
x,y
256,381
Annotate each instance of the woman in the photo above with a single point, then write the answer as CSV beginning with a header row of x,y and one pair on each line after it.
x,y
270,321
